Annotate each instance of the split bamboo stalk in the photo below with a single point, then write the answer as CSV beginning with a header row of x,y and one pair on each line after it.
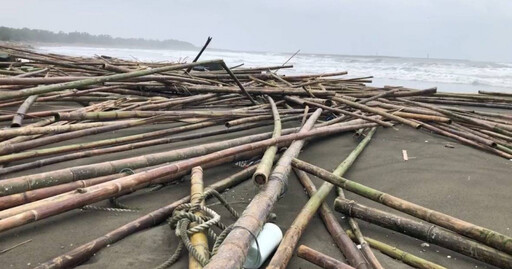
x,y
260,177
395,253
285,250
424,231
22,110
199,241
87,250
486,236
320,259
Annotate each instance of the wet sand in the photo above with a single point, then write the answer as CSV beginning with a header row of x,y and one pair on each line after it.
x,y
463,182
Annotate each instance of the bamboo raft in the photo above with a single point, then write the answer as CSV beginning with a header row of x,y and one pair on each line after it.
x,y
48,100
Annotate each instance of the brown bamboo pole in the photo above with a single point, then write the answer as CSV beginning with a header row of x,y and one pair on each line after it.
x,y
337,110
486,236
112,115
467,141
16,147
501,128
285,250
87,250
260,177
347,247
22,202
30,130
234,249
22,110
397,254
377,111
320,259
91,81
427,232
422,117
139,180
199,241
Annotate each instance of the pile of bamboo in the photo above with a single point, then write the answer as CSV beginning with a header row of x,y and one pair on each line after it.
x,y
188,101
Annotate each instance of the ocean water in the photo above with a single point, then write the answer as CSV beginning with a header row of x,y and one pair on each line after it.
x,y
447,75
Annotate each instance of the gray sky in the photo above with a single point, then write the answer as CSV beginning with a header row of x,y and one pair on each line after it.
x,y
461,29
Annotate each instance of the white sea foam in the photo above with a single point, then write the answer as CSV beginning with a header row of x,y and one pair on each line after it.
x,y
461,73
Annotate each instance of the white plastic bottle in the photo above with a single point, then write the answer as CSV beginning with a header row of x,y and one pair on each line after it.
x,y
268,240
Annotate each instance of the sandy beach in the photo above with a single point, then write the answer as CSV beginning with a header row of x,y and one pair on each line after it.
x,y
461,181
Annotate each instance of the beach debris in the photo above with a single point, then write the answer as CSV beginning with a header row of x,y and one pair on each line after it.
x,y
138,105
15,246
404,155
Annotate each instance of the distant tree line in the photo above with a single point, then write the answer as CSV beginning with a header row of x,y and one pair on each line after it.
x,y
34,35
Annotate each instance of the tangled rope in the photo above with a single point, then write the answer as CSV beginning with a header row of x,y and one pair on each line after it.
x,y
181,218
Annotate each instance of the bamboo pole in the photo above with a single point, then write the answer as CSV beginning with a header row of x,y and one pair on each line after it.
x,y
320,259
260,177
285,250
22,110
234,249
424,231
397,254
199,241
87,250
486,236
345,101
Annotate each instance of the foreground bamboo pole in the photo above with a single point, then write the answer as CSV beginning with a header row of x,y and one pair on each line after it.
x,y
285,250
235,247
395,253
87,250
486,236
427,232
260,177
198,240
320,259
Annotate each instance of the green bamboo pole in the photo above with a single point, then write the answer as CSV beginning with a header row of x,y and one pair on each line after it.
x,y
395,253
481,234
285,250
260,177
86,82
425,231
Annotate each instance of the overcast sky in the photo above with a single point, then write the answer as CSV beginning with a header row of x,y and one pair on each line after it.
x,y
461,29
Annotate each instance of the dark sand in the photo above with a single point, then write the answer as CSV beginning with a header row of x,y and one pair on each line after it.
x,y
463,182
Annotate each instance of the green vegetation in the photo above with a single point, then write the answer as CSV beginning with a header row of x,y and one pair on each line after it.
x,y
33,35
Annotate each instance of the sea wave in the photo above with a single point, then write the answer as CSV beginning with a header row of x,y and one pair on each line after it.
x,y
393,68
